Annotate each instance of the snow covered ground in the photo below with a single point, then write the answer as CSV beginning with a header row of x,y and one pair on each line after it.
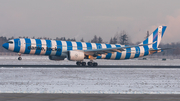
x,y
43,60
89,80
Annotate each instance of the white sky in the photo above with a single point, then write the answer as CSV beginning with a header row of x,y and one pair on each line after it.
x,y
86,18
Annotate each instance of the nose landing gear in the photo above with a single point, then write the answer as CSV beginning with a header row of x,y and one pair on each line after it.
x,y
19,58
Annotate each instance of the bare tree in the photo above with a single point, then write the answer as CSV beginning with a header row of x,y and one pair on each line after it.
x,y
82,40
95,39
100,40
73,39
63,39
113,40
147,35
124,38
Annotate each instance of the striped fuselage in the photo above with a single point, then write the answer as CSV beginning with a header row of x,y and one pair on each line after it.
x,y
57,48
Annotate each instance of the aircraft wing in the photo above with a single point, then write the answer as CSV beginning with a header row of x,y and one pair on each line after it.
x,y
96,52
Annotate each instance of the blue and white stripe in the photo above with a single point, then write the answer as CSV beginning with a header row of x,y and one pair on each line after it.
x,y
56,48
39,45
44,46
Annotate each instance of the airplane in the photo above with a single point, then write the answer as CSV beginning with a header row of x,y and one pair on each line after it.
x,y
78,51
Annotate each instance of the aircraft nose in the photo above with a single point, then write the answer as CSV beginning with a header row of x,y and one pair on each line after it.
x,y
5,45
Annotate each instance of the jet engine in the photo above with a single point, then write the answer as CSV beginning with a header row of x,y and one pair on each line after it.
x,y
57,58
76,55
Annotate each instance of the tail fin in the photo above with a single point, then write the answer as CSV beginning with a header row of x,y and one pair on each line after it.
x,y
155,37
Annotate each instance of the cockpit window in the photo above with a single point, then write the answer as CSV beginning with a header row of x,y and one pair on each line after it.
x,y
10,42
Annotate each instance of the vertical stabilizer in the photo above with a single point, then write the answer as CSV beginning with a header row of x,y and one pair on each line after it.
x,y
155,38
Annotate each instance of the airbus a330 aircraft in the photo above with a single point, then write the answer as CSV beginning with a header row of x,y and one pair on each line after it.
x,y
78,51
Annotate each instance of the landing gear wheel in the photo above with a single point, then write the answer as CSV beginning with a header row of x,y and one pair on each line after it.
x,y
83,63
95,64
19,58
90,64
78,63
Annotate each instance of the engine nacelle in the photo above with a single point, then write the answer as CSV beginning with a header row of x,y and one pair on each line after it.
x,y
75,55
57,58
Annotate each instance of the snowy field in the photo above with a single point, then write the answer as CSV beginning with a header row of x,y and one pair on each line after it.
x,y
44,60
89,80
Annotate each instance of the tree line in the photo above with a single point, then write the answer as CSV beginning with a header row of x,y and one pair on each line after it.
x,y
121,38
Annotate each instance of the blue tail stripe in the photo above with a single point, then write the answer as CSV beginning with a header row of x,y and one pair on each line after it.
x,y
39,46
17,47
128,52
59,48
28,46
118,55
146,41
163,30
89,46
137,52
48,50
155,37
79,45
108,56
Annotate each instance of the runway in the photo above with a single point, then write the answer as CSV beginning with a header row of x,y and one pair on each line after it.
x,y
88,97
100,66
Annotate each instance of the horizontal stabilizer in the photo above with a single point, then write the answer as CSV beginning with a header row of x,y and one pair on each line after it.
x,y
151,50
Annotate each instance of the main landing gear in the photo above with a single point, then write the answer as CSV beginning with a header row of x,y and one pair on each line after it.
x,y
79,63
19,58
90,63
